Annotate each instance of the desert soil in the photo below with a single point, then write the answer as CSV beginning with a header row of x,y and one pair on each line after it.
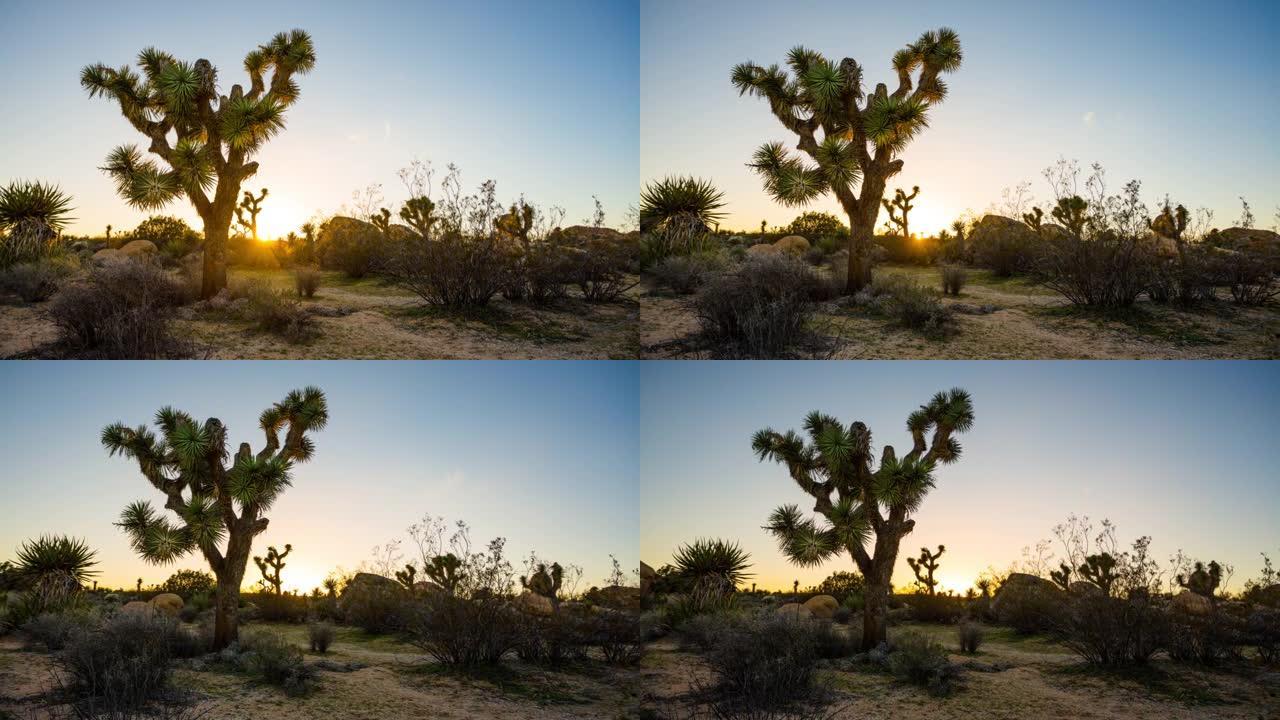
x,y
385,322
1030,323
396,682
1042,680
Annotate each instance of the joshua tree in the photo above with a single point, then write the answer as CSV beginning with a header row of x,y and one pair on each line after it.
x,y
900,208
419,213
407,576
516,223
762,226
984,586
138,588
1072,213
1062,576
795,587
1100,570
1035,218
836,460
271,565
247,212
331,587
212,501
925,566
850,137
1172,223
108,233
445,571
1202,580
545,582
382,221
213,137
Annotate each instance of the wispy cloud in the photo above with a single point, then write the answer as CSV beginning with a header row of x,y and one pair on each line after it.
x,y
1090,119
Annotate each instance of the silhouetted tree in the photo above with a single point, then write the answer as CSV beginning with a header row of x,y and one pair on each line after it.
x,y
925,566
271,566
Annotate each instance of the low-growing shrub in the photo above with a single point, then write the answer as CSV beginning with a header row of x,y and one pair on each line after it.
x,y
282,607
53,630
765,662
119,665
171,236
272,312
954,278
1108,270
620,637
271,659
321,636
1250,275
462,631
760,310
970,637
451,271
911,305
684,274
1204,639
376,609
1110,631
554,639
598,266
919,660
942,609
122,311
1262,631
306,280
842,615
34,281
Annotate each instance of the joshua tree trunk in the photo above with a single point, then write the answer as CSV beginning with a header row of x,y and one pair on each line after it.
x,y
862,212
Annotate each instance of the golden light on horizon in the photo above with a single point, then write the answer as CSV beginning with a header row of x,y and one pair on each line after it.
x,y
280,216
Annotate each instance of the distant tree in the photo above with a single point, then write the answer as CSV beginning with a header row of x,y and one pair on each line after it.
x,y
215,136
899,210
545,582
1203,580
836,460
213,501
446,571
925,566
1246,214
187,583
247,212
407,576
1100,569
814,225
842,584
861,135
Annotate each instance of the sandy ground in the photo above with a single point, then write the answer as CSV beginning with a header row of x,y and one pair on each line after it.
x,y
1043,681
1031,323
398,682
387,323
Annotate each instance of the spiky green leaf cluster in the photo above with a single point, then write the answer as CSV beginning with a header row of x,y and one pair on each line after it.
x,y
680,199
712,558
23,201
55,555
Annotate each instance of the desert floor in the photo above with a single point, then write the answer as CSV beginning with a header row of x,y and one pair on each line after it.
x,y
1029,322
367,319
1040,680
397,680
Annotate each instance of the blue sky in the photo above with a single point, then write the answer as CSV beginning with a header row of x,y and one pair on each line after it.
x,y
1180,95
1181,451
542,453
541,97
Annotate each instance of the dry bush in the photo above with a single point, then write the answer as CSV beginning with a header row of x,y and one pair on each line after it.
x,y
953,279
122,311
941,609
919,660
272,312
462,631
599,268
1108,270
1111,631
306,280
970,637
451,271
760,310
270,658
320,635
116,669
554,639
766,662
684,274
34,281
1250,275
912,305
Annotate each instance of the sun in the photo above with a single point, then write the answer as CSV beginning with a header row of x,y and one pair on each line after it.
x,y
927,220
280,216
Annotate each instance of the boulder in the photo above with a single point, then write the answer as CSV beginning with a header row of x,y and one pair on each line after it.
x,y
138,607
997,231
138,249
534,604
1192,603
108,255
364,585
763,249
822,606
795,611
647,578
616,596
1246,239
1084,587
426,587
794,244
167,603
1268,596
1019,588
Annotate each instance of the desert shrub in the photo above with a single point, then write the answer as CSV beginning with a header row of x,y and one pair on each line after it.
x,y
281,607
553,639
34,281
306,280
321,635
351,246
953,279
970,637
1110,631
598,266
52,630
1109,269
1204,639
277,314
765,662
244,251
1250,275
1027,612
1187,282
842,585
842,615
122,311
620,637
171,236
271,659
707,595
761,310
911,305
909,251
684,274
1005,251
919,660
119,665
52,592
700,631
451,271
376,609
463,631
1262,631
944,609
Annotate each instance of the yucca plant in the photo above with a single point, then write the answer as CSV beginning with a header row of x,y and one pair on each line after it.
x,y
833,465
214,501
680,203
214,136
850,138
55,555
32,213
712,558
